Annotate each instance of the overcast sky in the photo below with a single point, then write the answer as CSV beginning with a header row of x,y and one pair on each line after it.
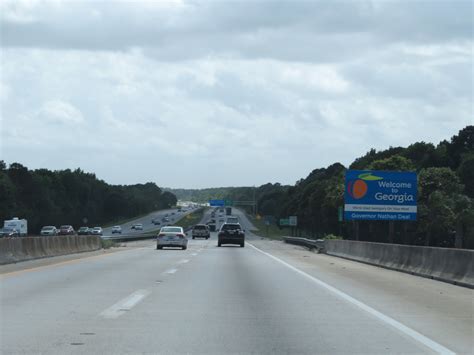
x,y
219,93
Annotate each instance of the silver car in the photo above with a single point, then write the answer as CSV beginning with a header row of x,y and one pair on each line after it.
x,y
49,230
96,231
172,236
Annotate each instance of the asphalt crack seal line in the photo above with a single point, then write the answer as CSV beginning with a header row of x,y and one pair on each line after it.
x,y
431,344
125,304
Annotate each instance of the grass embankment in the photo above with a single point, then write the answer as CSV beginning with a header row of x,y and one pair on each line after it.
x,y
191,219
107,243
271,231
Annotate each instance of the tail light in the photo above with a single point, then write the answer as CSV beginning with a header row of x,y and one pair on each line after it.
x,y
180,235
161,235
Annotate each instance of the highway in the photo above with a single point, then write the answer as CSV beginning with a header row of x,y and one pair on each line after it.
x,y
148,226
266,298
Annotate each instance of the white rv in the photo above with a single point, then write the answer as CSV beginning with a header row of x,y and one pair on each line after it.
x,y
21,225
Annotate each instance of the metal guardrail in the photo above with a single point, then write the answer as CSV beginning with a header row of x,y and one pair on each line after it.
x,y
308,243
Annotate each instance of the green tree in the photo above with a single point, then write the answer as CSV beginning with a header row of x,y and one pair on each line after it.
x,y
466,174
438,200
394,163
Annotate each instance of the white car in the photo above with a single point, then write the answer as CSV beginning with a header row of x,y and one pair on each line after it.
x,y
172,236
116,229
96,231
232,219
137,227
49,230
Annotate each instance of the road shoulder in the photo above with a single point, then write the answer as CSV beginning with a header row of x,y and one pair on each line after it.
x,y
441,311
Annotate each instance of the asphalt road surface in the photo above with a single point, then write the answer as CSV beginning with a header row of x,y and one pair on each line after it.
x,y
266,298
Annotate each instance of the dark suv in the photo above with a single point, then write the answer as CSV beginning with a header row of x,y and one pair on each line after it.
x,y
231,233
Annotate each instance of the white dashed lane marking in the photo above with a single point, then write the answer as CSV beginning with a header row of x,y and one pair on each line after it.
x,y
124,305
170,271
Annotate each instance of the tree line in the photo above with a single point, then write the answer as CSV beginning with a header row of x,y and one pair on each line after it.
x,y
45,197
445,195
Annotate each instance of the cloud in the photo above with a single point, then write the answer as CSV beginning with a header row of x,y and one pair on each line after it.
x,y
284,30
57,111
237,95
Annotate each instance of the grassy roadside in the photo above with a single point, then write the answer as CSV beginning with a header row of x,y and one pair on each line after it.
x,y
191,219
272,231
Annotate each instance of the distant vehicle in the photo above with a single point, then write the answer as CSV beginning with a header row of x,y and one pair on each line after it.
x,y
221,219
201,231
66,230
49,230
137,227
231,233
84,231
20,225
172,213
232,219
96,231
7,232
228,211
165,219
116,229
180,209
172,236
212,225
156,221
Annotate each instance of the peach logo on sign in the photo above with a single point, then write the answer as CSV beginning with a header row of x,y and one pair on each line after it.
x,y
358,188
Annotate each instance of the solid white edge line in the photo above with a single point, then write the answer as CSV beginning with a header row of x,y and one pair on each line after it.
x,y
116,310
386,319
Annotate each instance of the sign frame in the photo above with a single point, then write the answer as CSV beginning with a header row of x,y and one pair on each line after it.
x,y
380,195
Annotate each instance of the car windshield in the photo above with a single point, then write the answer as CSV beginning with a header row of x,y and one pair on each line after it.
x,y
48,228
200,227
65,227
171,230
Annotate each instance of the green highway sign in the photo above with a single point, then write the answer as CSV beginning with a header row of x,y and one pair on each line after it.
x,y
228,203
284,222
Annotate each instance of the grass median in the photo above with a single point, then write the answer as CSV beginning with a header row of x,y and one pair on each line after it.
x,y
191,219
119,222
272,231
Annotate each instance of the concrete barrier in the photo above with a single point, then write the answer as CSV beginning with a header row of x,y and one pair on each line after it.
x,y
13,250
445,264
